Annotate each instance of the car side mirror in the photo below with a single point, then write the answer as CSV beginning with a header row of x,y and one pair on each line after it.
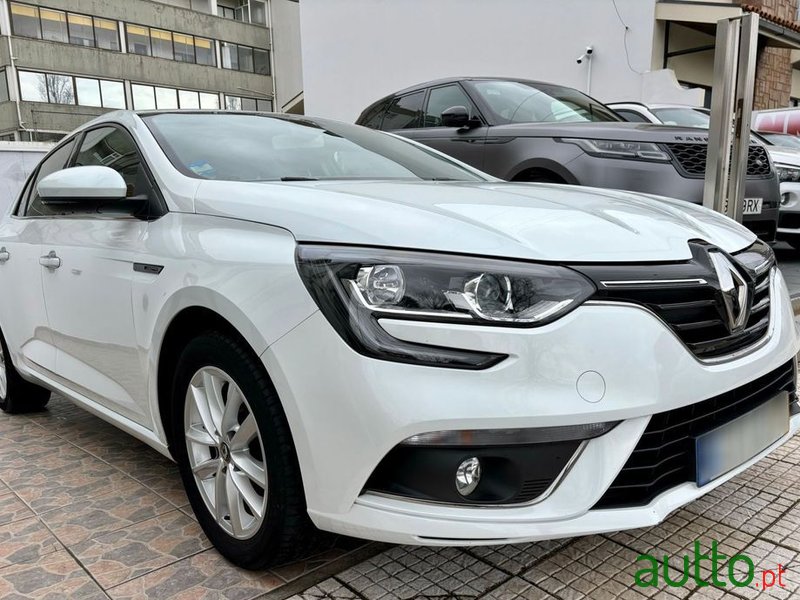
x,y
458,116
82,185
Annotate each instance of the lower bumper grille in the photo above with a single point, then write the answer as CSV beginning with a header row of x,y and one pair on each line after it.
x,y
665,455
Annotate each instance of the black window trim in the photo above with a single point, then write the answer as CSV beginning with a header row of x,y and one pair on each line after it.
x,y
158,207
396,97
74,88
172,33
237,46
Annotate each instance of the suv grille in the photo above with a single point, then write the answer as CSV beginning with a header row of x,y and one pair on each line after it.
x,y
692,159
665,454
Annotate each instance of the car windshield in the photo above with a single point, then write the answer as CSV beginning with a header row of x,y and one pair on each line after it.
x,y
684,117
253,147
782,139
526,102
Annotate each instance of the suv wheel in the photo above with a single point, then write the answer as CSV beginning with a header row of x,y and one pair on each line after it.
x,y
16,394
236,455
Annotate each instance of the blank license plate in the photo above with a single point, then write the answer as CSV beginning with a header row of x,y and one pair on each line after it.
x,y
728,446
752,206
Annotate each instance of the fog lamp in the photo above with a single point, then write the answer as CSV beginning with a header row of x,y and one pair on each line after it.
x,y
468,475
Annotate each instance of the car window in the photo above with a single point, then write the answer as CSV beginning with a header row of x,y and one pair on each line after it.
x,y
631,115
530,102
250,147
374,117
114,147
442,98
55,162
684,117
404,113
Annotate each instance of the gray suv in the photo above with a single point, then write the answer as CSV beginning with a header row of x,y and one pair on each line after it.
x,y
531,131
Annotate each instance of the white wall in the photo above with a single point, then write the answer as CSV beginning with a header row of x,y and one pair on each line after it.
x,y
356,51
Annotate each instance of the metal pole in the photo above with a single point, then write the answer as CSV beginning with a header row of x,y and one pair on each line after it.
x,y
743,108
715,189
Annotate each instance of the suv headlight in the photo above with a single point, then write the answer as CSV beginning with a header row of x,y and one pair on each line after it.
x,y
354,287
787,172
621,149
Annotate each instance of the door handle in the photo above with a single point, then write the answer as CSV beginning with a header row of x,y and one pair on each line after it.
x,y
4,255
51,261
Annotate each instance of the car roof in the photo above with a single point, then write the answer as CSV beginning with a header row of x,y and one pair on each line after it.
x,y
446,80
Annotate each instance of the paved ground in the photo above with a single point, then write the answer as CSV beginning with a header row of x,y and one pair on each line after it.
x,y
88,512
789,261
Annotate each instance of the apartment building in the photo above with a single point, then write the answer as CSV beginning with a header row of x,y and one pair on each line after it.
x,y
62,62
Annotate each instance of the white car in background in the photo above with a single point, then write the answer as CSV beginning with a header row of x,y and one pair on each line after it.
x,y
784,153
329,326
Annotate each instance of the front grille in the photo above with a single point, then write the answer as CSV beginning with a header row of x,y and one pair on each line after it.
x,y
695,313
692,159
665,454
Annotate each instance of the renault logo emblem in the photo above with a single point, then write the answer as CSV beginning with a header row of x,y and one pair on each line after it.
x,y
735,293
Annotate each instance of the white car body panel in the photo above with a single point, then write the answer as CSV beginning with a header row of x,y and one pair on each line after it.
x,y
229,248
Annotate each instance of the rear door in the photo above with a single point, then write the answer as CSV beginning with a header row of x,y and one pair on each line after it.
x,y
23,317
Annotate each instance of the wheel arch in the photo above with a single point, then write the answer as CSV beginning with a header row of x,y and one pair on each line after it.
x,y
184,317
542,167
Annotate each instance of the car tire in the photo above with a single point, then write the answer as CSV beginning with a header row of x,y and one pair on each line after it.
x,y
16,394
251,466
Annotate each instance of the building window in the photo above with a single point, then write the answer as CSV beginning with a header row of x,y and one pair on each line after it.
x,y
244,103
138,39
261,61
106,34
184,47
88,91
245,58
148,97
113,94
226,12
204,52
166,98
209,101
81,32
25,20
161,42
54,25
248,11
67,89
144,97
58,26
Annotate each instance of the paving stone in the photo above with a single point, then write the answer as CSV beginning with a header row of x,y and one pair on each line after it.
x,y
330,589
204,576
405,573
515,558
25,541
768,557
518,589
786,530
52,577
116,557
742,507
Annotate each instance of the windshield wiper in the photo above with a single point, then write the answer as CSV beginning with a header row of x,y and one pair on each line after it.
x,y
299,178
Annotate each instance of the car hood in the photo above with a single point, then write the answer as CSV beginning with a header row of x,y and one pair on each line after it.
x,y
640,132
544,222
784,156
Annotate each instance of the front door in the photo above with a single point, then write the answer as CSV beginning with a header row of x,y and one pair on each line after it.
x,y
88,287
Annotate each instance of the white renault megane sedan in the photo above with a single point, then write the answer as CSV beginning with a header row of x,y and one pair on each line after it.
x,y
330,328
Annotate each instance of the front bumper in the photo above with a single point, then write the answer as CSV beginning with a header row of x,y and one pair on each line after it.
x,y
789,216
347,412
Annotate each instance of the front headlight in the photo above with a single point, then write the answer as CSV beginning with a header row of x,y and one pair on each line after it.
x,y
354,287
621,149
787,172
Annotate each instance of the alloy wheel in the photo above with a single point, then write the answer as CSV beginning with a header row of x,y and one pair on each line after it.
x,y
226,452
